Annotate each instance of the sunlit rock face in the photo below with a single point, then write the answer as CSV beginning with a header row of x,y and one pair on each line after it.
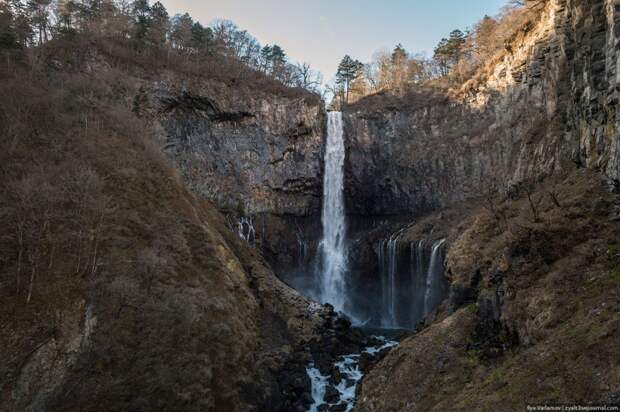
x,y
548,104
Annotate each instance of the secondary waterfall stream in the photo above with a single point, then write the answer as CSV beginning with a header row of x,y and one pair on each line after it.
x,y
412,280
333,248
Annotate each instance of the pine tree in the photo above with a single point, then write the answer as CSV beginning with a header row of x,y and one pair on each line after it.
x,y
201,36
449,51
265,57
8,37
348,71
181,34
158,24
140,11
278,62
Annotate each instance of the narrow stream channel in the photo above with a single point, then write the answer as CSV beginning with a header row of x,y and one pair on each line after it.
x,y
338,392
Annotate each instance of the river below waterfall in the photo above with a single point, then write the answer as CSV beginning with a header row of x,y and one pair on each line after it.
x,y
337,392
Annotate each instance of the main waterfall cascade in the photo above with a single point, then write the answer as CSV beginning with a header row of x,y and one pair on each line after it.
x,y
412,280
411,274
333,248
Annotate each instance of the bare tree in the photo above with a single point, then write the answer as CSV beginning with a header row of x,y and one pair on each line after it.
x,y
307,78
81,187
149,264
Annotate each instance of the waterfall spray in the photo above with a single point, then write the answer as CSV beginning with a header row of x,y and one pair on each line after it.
x,y
333,247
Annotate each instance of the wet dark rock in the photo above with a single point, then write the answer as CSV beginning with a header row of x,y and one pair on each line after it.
x,y
341,407
331,395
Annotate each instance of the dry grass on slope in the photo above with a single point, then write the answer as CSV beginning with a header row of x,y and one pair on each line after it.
x,y
87,50
543,271
117,286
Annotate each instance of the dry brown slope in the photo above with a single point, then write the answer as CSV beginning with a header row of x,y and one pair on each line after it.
x,y
542,323
119,288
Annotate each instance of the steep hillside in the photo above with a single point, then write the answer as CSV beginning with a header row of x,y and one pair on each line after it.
x,y
532,316
120,287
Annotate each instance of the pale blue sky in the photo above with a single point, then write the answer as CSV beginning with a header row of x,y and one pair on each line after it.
x,y
320,32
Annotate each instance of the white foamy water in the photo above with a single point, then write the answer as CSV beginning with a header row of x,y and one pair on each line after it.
x,y
319,386
351,375
333,246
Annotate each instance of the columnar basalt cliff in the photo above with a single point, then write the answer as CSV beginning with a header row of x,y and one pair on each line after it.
x,y
247,151
532,315
254,154
548,103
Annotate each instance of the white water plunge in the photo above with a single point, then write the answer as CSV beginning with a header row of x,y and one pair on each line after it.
x,y
333,245
350,376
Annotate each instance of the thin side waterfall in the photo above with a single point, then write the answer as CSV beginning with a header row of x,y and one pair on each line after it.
x,y
435,270
412,280
333,247
388,259
418,281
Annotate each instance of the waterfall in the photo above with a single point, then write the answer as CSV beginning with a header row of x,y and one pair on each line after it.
x,y
332,246
388,261
435,270
412,280
246,230
418,281
303,247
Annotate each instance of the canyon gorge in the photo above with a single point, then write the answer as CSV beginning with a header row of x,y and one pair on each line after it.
x,y
240,247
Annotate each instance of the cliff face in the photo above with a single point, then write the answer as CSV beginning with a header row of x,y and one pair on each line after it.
x,y
256,155
548,103
533,272
248,152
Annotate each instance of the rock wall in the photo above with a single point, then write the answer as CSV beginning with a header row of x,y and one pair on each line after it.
x,y
548,103
250,153
256,155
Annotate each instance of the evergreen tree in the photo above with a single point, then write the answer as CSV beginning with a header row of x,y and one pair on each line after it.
x,y
449,51
158,24
39,12
399,55
66,12
141,11
348,71
8,37
181,33
265,57
278,62
399,70
202,37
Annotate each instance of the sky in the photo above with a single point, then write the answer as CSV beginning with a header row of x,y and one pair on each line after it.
x,y
321,32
